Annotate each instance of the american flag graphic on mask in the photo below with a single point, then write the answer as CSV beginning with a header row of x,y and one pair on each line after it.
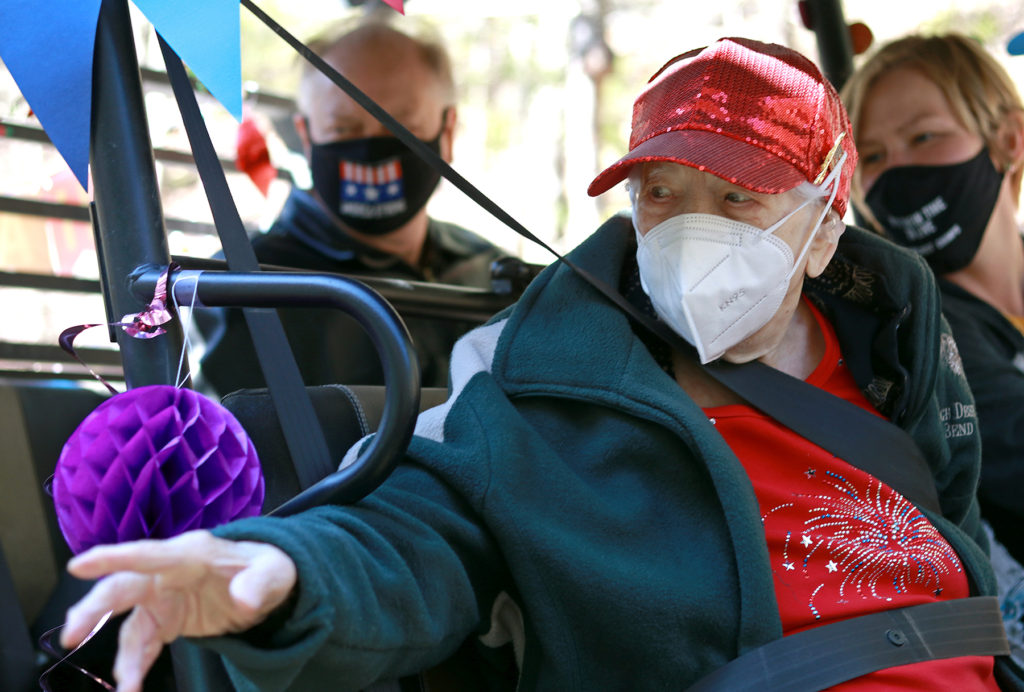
x,y
372,191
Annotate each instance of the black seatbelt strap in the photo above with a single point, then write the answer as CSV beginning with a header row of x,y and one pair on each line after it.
x,y
867,441
299,424
828,655
877,446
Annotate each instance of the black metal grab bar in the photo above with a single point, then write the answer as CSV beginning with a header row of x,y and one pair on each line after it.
x,y
410,298
374,314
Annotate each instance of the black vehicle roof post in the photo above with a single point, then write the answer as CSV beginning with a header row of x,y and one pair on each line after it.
x,y
127,197
835,48
128,213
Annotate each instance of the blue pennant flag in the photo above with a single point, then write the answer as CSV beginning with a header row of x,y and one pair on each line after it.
x,y
206,35
58,83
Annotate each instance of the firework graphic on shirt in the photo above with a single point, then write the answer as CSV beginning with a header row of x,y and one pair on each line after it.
x,y
372,191
879,537
865,541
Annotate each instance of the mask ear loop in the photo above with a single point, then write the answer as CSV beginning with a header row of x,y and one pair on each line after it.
x,y
831,179
631,191
179,381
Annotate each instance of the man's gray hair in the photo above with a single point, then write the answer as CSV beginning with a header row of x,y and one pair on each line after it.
x,y
374,30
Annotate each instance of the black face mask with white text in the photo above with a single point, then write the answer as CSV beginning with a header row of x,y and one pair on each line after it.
x,y
940,212
373,185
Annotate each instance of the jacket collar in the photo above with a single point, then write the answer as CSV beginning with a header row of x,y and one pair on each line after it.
x,y
878,296
564,336
866,290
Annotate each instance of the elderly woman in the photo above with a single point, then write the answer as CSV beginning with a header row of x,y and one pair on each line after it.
x,y
940,128
590,494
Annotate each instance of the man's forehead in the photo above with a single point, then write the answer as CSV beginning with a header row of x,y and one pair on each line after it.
x,y
402,95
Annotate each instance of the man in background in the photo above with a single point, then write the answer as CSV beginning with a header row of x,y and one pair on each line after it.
x,y
366,212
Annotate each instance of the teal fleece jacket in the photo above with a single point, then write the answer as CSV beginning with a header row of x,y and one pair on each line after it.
x,y
570,473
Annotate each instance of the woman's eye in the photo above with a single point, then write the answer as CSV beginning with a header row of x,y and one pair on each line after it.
x,y
922,137
659,192
736,197
871,158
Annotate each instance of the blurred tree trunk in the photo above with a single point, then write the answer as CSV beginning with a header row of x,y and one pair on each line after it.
x,y
590,60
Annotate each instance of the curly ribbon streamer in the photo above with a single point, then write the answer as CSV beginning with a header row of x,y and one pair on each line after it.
x,y
49,643
142,325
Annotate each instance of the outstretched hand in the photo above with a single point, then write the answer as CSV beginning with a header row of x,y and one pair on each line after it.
x,y
193,585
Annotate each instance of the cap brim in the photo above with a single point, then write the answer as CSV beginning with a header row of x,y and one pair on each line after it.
x,y
736,161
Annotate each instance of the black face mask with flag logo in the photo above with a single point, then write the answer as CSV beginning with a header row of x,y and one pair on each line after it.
x,y
941,212
374,185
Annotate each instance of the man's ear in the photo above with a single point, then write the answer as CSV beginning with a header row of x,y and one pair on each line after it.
x,y
448,133
824,245
302,129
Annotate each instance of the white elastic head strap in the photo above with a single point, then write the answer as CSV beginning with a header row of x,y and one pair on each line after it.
x,y
632,182
832,179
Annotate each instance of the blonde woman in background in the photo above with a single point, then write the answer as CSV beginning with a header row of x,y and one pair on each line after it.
x,y
939,127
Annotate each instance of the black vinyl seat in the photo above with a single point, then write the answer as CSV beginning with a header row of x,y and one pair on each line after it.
x,y
35,590
346,415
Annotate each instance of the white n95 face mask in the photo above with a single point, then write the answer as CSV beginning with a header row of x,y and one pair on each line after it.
x,y
714,280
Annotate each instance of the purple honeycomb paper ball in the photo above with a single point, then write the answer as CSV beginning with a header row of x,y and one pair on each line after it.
x,y
154,462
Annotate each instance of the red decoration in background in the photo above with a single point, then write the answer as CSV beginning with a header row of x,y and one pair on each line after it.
x,y
252,156
861,37
396,5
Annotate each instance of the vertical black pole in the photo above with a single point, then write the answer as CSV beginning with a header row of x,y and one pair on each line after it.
x,y
129,213
835,48
129,217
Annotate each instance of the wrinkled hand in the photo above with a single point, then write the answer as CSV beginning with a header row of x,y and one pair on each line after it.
x,y
192,585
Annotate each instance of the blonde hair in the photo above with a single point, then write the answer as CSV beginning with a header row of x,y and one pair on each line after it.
x,y
977,88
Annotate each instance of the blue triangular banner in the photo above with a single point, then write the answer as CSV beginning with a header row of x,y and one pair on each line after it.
x,y
57,83
206,35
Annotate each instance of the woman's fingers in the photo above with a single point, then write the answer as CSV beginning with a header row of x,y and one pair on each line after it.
x,y
138,646
146,556
192,585
118,593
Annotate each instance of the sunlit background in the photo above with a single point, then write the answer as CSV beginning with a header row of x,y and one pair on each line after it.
x,y
545,92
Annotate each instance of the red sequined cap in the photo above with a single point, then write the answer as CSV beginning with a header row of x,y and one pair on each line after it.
x,y
757,114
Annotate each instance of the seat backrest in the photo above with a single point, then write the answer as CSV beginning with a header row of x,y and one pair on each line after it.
x,y
346,415
35,422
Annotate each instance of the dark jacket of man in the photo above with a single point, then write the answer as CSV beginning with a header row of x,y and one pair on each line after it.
x,y
331,347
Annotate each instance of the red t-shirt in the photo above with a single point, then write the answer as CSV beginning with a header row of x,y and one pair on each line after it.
x,y
841,542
